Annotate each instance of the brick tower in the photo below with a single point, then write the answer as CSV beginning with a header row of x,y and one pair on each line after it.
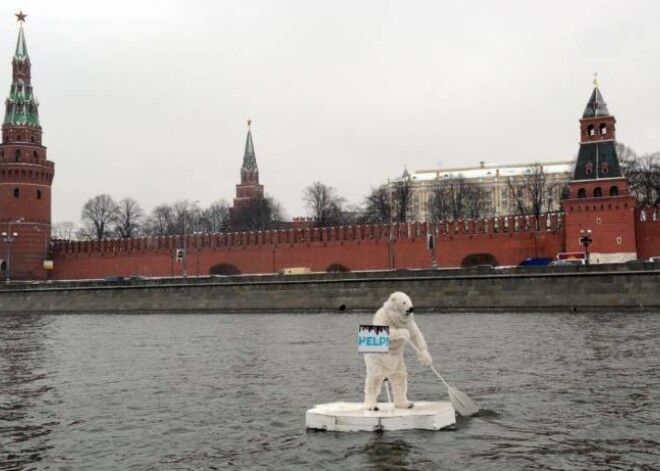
x,y
599,199
26,177
249,193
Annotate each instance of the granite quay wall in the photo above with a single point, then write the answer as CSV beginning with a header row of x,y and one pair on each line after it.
x,y
601,287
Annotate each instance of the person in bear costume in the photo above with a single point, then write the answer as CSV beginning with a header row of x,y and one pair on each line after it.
x,y
397,313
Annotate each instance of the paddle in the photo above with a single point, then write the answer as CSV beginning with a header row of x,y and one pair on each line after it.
x,y
461,402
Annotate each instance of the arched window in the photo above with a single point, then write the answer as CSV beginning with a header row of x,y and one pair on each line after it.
x,y
604,168
590,130
603,128
614,191
17,155
582,193
19,137
598,192
38,194
17,192
589,168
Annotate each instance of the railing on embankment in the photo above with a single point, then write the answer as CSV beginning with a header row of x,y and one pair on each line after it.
x,y
596,287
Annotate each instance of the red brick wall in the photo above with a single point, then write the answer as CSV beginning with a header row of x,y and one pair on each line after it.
x,y
648,232
356,248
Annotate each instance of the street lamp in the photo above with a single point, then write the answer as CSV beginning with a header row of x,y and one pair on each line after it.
x,y
585,239
8,238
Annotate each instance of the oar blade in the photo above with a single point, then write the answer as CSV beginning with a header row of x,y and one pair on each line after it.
x,y
461,402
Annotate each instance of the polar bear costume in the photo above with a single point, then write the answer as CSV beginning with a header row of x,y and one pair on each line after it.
x,y
397,313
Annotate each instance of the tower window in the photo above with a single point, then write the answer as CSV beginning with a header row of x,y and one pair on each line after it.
x,y
604,168
598,192
38,194
603,128
17,155
589,168
17,192
614,191
36,156
582,193
590,130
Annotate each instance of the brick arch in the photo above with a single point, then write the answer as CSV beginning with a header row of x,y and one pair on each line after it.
x,y
337,268
224,269
475,259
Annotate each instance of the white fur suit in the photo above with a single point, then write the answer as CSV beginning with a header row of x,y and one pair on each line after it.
x,y
397,313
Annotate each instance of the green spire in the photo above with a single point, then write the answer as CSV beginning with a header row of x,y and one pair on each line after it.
x,y
249,158
21,48
21,107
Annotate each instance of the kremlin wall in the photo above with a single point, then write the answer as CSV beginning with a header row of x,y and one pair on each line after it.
x,y
599,201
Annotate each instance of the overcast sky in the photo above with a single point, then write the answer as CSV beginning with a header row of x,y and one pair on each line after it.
x,y
149,98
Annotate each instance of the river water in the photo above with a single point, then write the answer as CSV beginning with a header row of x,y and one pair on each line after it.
x,y
214,392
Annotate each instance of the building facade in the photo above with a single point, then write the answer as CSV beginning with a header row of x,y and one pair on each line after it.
x,y
503,189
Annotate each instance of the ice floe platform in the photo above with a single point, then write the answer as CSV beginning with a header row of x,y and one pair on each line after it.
x,y
352,417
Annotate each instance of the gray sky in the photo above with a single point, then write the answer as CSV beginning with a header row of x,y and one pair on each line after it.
x,y
149,98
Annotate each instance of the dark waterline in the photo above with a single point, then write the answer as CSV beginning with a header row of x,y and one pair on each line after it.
x,y
191,392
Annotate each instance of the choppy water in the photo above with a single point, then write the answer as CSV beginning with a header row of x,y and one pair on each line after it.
x,y
198,392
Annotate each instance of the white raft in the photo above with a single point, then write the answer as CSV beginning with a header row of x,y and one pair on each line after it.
x,y
352,417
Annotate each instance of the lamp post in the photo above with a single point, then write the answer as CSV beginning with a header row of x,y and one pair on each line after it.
x,y
9,238
585,239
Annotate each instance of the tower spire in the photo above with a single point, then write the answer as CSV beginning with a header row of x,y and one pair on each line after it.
x,y
22,108
249,168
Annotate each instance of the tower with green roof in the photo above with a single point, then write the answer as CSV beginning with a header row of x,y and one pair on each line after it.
x,y
600,209
26,176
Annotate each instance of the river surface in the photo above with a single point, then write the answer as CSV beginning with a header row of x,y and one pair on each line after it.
x,y
215,392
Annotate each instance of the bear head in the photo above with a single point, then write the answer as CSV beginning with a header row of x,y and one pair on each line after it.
x,y
400,304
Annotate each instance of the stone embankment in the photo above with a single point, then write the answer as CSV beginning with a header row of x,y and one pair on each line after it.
x,y
562,288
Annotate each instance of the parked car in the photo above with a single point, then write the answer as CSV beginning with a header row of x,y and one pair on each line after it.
x,y
570,261
655,259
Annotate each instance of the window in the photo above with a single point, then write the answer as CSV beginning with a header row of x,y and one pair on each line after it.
x,y
17,155
582,193
614,191
38,194
603,128
604,168
17,192
590,130
598,192
589,168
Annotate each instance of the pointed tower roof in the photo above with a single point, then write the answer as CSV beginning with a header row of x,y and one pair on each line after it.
x,y
596,107
21,106
21,48
249,158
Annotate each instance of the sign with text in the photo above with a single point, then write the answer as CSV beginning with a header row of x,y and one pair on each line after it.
x,y
373,339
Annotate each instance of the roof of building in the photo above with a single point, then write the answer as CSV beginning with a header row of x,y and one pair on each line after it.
x,y
596,107
492,170
21,47
597,160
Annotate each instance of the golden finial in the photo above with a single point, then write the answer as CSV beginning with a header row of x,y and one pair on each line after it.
x,y
20,16
596,81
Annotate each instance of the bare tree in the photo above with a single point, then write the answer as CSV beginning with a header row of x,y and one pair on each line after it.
x,y
456,198
378,206
402,197
643,174
128,220
324,204
215,218
530,192
65,230
161,222
97,216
